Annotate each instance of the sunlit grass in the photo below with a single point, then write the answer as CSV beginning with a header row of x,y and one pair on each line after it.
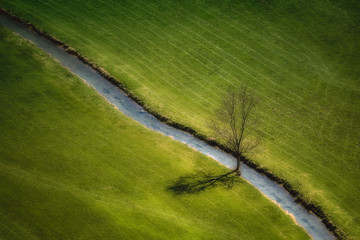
x,y
301,58
73,167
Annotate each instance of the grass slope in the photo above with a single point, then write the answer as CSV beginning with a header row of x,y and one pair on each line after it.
x,y
73,167
301,58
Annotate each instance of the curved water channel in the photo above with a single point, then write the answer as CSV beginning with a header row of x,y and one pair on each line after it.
x,y
312,224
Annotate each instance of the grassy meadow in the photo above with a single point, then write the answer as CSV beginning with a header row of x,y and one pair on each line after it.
x,y
301,58
73,167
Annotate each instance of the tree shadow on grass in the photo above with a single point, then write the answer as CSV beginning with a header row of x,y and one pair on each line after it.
x,y
200,181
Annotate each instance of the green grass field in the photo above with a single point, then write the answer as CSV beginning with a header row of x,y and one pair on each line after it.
x,y
300,57
73,167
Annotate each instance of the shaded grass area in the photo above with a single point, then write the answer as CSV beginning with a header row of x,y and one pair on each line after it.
x,y
201,181
73,167
299,57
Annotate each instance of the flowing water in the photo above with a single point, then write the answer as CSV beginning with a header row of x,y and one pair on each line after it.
x,y
312,224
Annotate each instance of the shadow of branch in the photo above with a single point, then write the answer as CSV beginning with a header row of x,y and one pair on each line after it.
x,y
200,181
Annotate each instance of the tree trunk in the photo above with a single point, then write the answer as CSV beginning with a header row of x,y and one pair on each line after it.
x,y
237,169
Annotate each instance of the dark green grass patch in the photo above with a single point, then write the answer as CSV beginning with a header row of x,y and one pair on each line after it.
x,y
300,57
73,167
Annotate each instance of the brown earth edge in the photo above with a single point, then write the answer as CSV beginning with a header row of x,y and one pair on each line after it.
x,y
309,206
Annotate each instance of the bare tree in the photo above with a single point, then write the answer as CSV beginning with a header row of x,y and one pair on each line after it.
x,y
233,123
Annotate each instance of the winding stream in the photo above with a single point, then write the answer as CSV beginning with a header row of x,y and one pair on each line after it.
x,y
312,224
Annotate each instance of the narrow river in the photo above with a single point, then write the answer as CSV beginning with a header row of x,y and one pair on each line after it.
x,y
312,224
